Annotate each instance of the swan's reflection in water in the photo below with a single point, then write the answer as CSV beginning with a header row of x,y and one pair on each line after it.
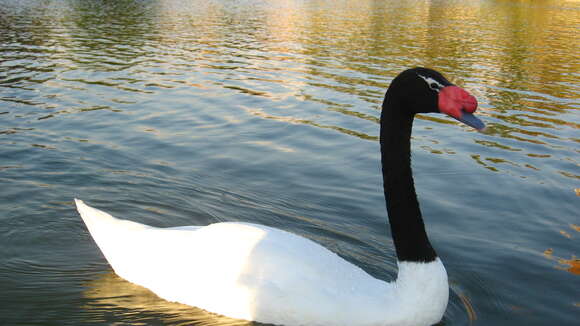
x,y
112,300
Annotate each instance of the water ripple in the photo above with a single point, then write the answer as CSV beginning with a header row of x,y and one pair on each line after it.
x,y
269,111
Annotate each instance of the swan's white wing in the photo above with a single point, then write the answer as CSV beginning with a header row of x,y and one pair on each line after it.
x,y
241,270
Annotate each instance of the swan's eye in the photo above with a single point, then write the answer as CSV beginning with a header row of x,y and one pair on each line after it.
x,y
432,83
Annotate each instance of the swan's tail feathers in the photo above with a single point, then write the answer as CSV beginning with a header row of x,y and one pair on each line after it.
x,y
97,220
116,238
93,217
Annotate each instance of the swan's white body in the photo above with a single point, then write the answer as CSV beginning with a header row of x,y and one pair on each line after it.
x,y
259,273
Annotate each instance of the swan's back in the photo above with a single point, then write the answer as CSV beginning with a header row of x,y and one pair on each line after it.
x,y
242,270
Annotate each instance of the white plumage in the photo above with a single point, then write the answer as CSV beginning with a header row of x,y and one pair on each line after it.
x,y
254,272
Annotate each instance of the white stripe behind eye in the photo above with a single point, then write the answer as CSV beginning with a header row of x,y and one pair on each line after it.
x,y
432,83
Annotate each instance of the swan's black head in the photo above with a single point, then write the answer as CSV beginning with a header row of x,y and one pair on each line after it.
x,y
423,90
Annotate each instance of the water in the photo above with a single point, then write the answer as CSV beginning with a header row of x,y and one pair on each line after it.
x,y
192,112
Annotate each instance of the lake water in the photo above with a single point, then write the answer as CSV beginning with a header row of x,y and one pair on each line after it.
x,y
192,112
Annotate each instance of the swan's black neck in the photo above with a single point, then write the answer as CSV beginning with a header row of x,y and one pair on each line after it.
x,y
407,228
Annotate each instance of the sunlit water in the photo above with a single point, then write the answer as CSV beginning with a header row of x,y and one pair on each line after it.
x,y
192,112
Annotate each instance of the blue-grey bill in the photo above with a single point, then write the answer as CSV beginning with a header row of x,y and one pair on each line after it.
x,y
472,121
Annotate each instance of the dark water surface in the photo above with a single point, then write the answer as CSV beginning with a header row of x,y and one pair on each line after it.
x,y
192,112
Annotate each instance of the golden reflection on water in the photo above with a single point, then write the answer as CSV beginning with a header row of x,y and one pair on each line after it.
x,y
571,265
520,59
109,293
471,314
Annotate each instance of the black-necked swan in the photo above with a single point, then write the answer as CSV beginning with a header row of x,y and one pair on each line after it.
x,y
263,274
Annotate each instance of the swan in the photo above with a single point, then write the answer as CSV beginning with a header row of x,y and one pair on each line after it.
x,y
259,273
